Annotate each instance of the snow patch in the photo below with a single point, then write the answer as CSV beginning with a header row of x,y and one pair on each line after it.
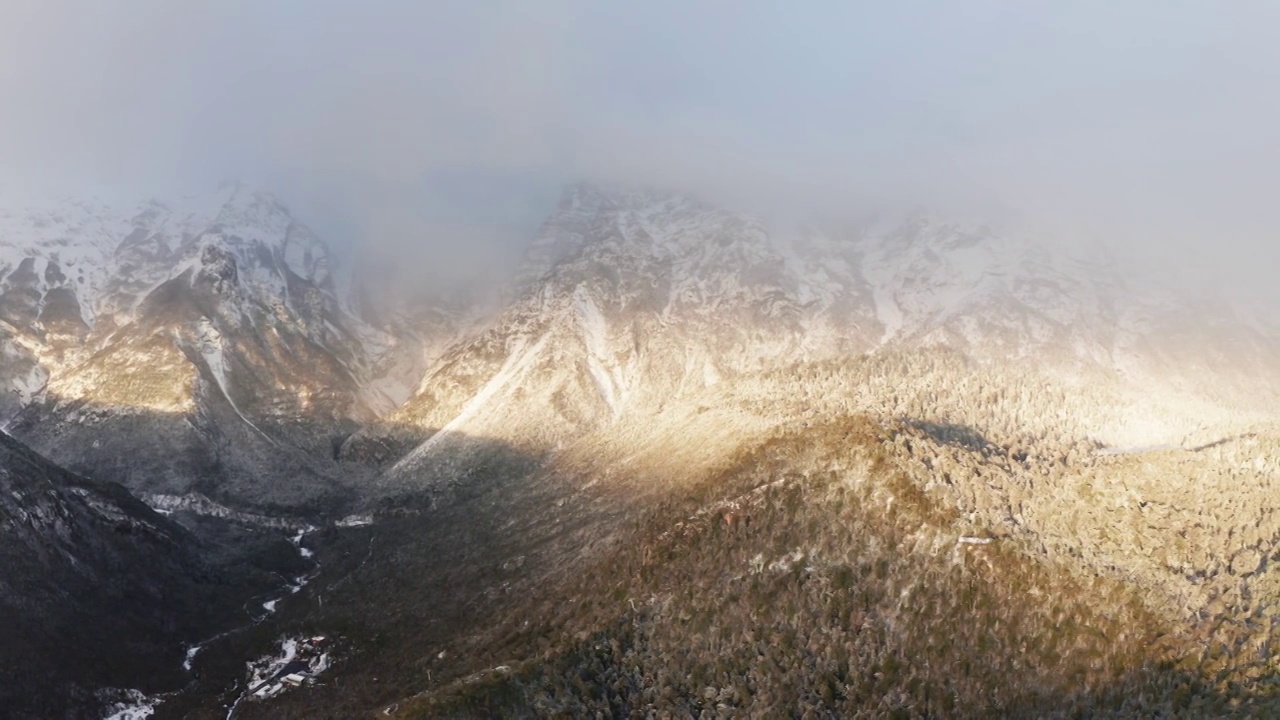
x,y
211,350
135,706
200,505
351,521
517,364
594,329
297,662
190,657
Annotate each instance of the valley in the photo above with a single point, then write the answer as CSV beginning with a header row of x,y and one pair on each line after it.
x,y
691,465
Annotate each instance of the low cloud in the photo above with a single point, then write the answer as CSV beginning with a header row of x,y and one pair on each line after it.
x,y
442,131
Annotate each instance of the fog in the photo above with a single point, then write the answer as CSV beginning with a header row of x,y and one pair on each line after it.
x,y
442,132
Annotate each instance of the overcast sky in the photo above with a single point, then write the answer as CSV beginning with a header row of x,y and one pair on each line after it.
x,y
452,125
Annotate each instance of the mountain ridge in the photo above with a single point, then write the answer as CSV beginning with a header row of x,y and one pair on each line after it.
x,y
712,403
657,293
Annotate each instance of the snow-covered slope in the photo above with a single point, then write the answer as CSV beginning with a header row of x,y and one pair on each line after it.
x,y
224,312
984,291
110,255
146,341
629,300
626,300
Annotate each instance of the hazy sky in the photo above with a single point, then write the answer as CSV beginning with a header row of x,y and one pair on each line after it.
x,y
452,125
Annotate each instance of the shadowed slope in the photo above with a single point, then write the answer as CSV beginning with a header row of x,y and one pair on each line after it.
x,y
97,590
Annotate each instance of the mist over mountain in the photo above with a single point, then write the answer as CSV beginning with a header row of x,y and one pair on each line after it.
x,y
447,132
654,364
568,360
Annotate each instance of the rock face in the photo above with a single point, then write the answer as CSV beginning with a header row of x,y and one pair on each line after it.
x,y
624,300
97,591
628,301
203,347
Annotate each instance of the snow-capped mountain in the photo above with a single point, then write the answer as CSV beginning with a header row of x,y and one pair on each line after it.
x,y
972,287
1036,400
110,256
628,300
225,312
192,328
71,268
